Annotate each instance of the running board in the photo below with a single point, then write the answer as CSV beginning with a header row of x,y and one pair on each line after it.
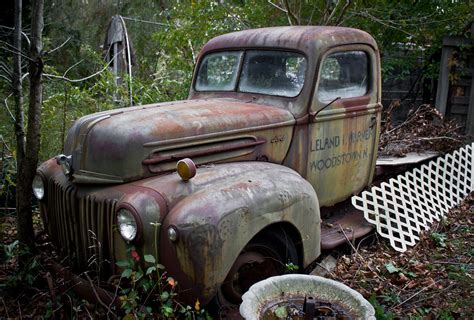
x,y
343,223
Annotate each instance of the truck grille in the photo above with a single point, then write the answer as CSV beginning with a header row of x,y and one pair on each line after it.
x,y
81,227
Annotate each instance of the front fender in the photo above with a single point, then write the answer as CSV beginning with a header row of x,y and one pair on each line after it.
x,y
218,219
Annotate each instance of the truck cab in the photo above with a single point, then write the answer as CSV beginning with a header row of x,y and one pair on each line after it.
x,y
279,122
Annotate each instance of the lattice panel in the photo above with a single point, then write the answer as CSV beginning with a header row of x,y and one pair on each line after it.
x,y
406,205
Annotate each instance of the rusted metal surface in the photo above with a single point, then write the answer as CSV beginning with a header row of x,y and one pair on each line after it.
x,y
215,149
316,154
215,214
249,196
342,227
110,147
312,41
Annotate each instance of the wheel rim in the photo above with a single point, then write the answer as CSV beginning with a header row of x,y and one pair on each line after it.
x,y
250,267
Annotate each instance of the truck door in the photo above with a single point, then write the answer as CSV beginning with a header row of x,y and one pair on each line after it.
x,y
344,122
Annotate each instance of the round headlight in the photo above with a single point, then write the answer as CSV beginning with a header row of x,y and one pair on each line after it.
x,y
127,224
38,187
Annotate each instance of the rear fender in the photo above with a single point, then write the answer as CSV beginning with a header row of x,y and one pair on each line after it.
x,y
214,224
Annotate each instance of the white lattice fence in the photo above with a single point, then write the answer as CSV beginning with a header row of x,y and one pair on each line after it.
x,y
404,206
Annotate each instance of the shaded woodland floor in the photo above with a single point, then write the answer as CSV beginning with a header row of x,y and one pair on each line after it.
x,y
433,280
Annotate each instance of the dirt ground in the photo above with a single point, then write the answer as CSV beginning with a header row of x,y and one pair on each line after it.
x,y
433,280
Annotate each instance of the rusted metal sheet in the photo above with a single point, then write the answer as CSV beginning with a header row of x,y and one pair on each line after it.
x,y
229,205
342,223
111,147
312,41
126,158
215,214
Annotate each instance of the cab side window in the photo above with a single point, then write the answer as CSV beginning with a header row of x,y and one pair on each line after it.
x,y
344,75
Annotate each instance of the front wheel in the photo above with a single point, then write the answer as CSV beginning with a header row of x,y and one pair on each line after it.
x,y
264,256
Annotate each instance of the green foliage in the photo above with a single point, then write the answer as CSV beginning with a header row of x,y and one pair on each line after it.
x,y
168,35
146,287
380,312
281,312
391,268
291,267
24,275
439,239
7,176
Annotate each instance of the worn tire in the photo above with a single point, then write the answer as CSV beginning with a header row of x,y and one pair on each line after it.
x,y
264,256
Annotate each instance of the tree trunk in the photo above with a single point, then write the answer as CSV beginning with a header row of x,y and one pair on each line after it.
x,y
17,87
27,169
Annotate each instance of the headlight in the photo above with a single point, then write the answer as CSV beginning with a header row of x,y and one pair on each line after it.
x,y
127,224
38,187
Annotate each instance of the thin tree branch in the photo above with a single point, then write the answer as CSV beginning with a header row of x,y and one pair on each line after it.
x,y
145,21
15,51
6,146
333,12
52,76
276,6
6,309
414,295
63,77
292,19
8,109
368,15
324,16
59,47
22,33
98,297
73,66
343,12
312,13
5,69
192,51
7,79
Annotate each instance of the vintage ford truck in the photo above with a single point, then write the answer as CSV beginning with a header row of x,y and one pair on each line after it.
x,y
279,122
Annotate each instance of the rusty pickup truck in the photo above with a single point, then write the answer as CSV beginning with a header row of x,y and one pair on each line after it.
x,y
280,122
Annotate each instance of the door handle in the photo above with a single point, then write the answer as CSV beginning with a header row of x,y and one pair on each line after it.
x,y
373,121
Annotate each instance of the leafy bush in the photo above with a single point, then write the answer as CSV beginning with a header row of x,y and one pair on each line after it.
x,y
144,291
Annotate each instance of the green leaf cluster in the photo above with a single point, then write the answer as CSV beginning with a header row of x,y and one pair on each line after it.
x,y
145,289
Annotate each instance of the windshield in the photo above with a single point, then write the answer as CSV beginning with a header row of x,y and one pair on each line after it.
x,y
218,71
266,72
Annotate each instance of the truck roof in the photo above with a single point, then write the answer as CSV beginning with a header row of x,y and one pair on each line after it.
x,y
302,38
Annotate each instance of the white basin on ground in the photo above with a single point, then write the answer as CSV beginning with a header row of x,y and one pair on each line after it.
x,y
275,291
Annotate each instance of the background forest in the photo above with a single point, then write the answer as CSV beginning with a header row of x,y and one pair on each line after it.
x,y
167,36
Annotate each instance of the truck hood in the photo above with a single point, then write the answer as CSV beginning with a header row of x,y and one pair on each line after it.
x,y
132,143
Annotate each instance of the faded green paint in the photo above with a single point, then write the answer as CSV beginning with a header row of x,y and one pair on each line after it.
x,y
261,149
